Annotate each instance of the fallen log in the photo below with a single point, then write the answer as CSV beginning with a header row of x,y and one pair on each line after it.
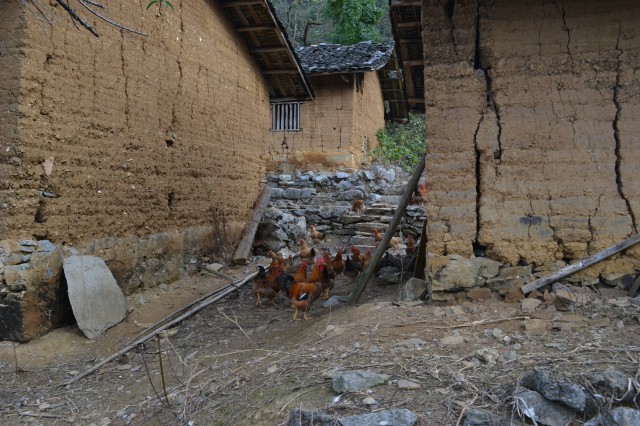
x,y
206,301
584,263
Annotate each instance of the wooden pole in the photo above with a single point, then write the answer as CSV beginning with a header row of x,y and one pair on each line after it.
x,y
242,252
585,263
361,283
213,297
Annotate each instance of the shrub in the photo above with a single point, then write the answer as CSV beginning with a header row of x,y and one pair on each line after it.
x,y
401,144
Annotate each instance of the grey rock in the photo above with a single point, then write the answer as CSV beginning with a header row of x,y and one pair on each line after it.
x,y
477,417
395,417
408,384
388,275
301,417
516,271
487,355
277,193
356,380
30,243
452,340
368,175
17,277
45,246
502,285
413,289
284,178
343,175
307,193
619,416
322,179
292,193
613,382
330,302
567,394
14,259
344,185
488,268
530,305
27,249
458,274
351,195
536,407
96,299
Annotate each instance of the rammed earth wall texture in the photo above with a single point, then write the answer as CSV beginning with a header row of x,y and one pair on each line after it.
x,y
532,117
128,135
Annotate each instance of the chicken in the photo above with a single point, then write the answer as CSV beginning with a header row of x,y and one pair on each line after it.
x,y
303,294
395,242
266,285
377,236
305,251
301,273
358,206
423,192
411,245
338,263
366,259
353,265
316,236
328,275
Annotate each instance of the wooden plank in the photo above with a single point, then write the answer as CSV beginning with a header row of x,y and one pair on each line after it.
x,y
242,252
280,72
361,283
415,100
414,62
421,259
409,24
585,263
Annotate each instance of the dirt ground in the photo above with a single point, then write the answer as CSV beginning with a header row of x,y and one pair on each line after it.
x,y
233,363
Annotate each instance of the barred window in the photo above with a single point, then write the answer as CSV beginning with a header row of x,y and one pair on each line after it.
x,y
285,117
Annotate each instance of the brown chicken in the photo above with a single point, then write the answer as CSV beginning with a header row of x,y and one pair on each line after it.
x,y
303,294
338,263
411,245
301,273
315,235
306,251
423,192
366,259
358,206
377,236
265,285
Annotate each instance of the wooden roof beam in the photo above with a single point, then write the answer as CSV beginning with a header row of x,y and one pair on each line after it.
x,y
269,49
280,72
255,28
416,100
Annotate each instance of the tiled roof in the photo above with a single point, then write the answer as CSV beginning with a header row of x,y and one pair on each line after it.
x,y
336,58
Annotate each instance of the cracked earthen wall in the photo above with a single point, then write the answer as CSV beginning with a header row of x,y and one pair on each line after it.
x,y
531,117
144,134
346,112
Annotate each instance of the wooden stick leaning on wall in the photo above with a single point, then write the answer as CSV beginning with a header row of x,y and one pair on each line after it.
x,y
361,283
242,252
585,263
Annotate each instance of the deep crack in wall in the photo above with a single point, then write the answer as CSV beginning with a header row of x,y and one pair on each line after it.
x,y
529,112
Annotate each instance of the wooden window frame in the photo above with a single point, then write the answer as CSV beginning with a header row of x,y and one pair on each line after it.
x,y
285,117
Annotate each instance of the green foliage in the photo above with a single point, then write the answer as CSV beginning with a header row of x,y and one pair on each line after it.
x,y
401,144
354,20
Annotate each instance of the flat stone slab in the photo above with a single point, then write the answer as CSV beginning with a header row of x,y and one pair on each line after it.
x,y
96,299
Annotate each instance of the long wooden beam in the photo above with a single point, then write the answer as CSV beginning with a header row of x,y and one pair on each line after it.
x,y
269,49
585,263
255,28
391,229
237,3
406,3
410,24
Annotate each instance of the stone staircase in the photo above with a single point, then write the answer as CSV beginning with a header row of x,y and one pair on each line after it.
x,y
324,199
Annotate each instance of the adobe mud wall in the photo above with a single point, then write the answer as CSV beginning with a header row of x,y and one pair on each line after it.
x,y
122,146
532,123
131,135
334,125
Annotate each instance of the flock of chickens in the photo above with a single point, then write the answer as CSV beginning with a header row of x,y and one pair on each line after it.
x,y
302,287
